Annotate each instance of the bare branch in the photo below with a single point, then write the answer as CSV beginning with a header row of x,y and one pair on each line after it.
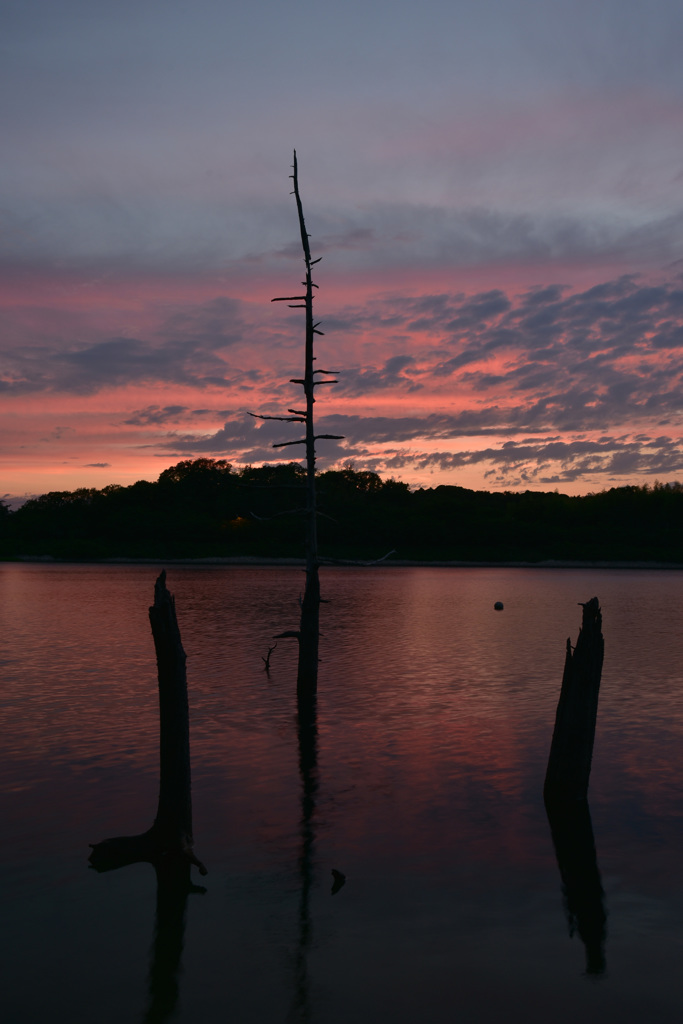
x,y
285,419
266,660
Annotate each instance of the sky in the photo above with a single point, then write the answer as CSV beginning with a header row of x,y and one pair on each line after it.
x,y
496,189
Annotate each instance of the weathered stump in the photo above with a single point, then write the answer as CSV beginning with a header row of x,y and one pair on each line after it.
x,y
171,833
571,751
173,822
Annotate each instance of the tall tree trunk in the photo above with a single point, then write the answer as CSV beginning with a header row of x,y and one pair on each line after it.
x,y
309,629
309,626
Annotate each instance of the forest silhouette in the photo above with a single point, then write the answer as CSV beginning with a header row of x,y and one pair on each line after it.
x,y
202,508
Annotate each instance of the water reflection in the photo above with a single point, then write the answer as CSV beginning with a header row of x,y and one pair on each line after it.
x,y
307,731
583,895
173,887
419,777
174,884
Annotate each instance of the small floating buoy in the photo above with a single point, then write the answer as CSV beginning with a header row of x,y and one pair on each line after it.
x,y
498,606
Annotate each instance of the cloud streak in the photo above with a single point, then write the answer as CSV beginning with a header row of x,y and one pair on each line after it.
x,y
595,377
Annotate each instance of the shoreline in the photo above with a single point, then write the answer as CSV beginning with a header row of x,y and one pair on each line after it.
x,y
329,563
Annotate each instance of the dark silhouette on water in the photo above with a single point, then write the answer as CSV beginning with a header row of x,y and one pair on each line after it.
x,y
566,787
171,833
583,895
338,880
571,751
168,844
173,887
266,660
307,733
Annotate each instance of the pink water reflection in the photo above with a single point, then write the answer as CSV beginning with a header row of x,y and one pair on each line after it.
x,y
434,721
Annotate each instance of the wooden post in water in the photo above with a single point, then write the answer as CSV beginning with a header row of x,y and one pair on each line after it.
x,y
173,823
571,751
171,833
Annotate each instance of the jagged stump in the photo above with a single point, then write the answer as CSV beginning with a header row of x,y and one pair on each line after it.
x,y
571,751
171,833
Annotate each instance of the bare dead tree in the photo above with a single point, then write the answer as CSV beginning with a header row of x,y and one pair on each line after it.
x,y
309,625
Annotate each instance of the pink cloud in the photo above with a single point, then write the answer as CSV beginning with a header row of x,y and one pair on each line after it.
x,y
452,370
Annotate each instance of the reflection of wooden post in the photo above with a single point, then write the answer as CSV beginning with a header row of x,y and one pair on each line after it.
x,y
171,833
571,752
572,832
173,888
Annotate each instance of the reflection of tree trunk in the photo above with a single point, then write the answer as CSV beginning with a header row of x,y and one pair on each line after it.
x,y
171,833
300,1010
571,751
572,832
173,887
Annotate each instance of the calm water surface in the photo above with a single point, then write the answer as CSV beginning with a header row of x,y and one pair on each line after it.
x,y
435,715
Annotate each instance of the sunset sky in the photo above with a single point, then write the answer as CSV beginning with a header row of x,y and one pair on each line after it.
x,y
496,189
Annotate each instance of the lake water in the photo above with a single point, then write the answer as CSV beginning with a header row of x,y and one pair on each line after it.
x,y
434,720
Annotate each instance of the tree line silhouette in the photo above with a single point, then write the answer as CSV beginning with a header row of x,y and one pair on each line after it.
x,y
206,508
